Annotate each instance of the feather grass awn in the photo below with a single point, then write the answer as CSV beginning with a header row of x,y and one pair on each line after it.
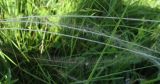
x,y
85,39
87,16
83,30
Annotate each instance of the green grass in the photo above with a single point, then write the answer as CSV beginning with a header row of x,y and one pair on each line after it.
x,y
79,41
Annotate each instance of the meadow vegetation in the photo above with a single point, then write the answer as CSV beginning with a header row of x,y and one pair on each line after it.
x,y
79,41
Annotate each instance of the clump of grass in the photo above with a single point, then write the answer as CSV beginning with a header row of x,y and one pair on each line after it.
x,y
79,41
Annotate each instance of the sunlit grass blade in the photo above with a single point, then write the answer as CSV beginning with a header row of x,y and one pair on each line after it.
x,y
7,57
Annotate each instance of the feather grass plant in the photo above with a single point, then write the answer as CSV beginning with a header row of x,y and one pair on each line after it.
x,y
79,41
